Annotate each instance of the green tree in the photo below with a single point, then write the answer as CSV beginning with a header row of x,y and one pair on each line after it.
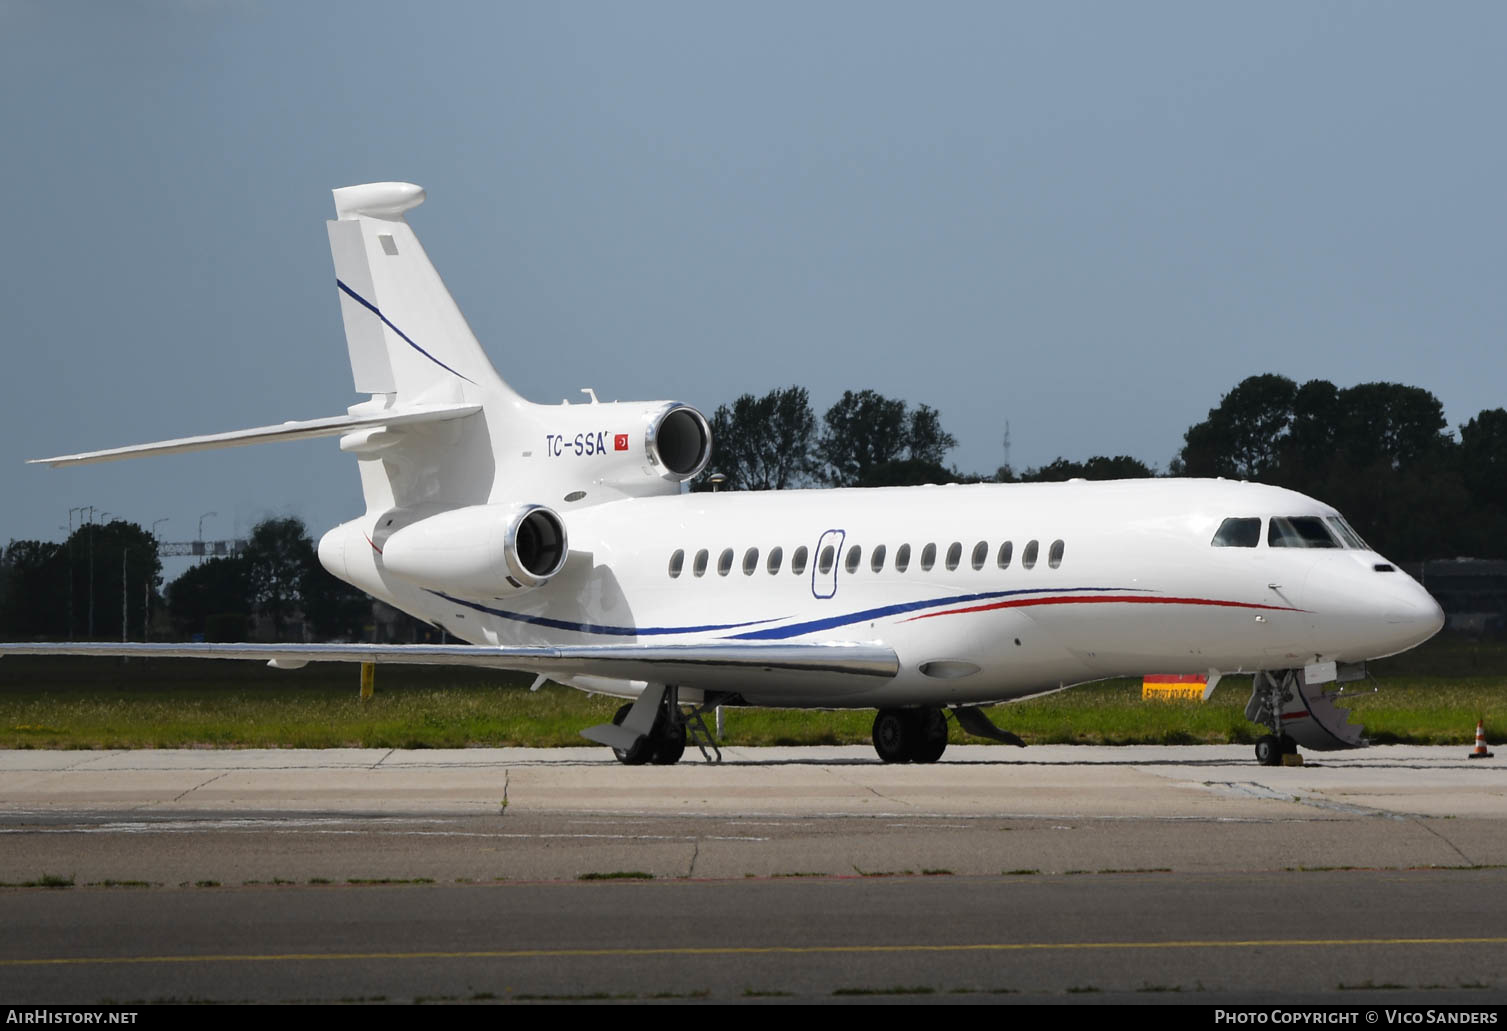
x,y
34,590
278,555
333,608
212,599
872,440
1243,437
764,443
1120,467
1483,457
99,554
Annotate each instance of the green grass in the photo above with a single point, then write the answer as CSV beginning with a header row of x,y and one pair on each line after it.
x,y
1433,695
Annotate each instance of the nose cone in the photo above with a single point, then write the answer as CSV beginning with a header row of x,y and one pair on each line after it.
x,y
1366,613
1415,612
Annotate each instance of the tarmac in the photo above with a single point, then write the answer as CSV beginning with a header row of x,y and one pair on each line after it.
x,y
493,874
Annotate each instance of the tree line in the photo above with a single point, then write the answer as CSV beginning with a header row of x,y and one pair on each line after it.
x,y
105,583
1382,453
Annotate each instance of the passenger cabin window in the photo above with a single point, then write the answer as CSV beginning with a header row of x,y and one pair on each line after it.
x,y
928,557
776,556
750,561
1299,532
954,556
677,563
725,562
855,555
1028,556
699,567
1005,551
902,558
876,560
1238,532
1054,556
798,560
980,554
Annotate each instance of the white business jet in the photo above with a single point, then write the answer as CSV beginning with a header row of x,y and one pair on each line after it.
x,y
560,540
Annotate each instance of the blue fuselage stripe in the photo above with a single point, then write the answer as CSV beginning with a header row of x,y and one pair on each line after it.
x,y
809,626
406,338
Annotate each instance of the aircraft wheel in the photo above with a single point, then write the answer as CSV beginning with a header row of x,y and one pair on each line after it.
x,y
669,745
1269,751
640,753
931,736
894,734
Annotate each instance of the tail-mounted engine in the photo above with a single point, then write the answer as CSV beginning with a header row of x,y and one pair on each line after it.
x,y
614,449
678,442
480,551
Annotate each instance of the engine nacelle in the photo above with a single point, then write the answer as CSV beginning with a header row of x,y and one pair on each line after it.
x,y
678,442
481,551
606,449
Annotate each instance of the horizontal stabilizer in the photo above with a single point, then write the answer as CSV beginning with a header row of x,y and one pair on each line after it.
x,y
775,668
331,426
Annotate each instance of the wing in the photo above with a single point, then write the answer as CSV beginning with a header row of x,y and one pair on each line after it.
x,y
775,668
330,426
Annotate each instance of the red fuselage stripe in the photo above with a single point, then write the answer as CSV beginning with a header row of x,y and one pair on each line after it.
x,y
1103,599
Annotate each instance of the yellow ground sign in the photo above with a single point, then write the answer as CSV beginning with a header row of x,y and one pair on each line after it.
x,y
1173,685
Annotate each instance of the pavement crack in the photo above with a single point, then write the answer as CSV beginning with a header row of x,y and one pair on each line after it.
x,y
505,781
867,787
206,783
1254,789
385,756
695,854
1453,847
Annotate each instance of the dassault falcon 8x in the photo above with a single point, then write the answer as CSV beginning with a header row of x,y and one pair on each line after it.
x,y
562,540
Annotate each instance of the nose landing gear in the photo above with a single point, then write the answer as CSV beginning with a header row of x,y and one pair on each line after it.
x,y
1298,712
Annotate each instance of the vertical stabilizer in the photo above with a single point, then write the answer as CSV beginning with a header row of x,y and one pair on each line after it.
x,y
405,334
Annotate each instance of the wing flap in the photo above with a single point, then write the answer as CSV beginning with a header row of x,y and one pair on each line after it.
x,y
330,426
774,668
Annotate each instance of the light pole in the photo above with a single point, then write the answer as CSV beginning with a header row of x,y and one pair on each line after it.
x,y
71,511
203,517
91,572
146,588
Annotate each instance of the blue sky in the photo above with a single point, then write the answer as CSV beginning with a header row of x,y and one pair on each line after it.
x,y
1087,219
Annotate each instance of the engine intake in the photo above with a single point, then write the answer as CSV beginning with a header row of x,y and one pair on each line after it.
x,y
679,442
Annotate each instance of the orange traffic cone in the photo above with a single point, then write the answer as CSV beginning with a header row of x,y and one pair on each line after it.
x,y
1480,752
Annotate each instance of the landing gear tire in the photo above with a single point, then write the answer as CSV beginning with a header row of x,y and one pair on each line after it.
x,y
931,736
1269,750
894,735
910,735
642,751
669,744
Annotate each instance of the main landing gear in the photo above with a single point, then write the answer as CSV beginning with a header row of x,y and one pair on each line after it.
x,y
662,746
655,729
910,735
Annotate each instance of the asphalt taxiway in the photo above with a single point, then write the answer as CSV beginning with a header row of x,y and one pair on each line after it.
x,y
1044,874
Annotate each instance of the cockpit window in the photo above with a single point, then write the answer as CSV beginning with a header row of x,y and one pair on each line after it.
x,y
1238,532
1299,532
1345,533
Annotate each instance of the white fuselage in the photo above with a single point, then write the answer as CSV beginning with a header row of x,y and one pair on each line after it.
x,y
1134,586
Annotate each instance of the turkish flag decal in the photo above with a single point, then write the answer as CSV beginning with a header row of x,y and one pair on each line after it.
x,y
620,442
